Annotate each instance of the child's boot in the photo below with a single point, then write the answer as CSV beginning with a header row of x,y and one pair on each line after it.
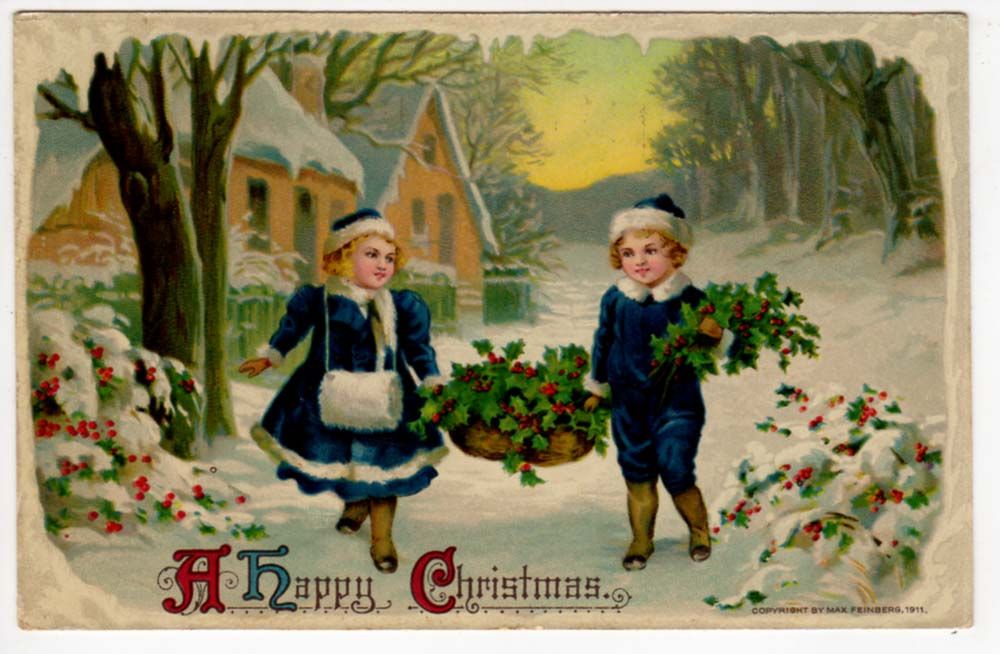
x,y
642,504
383,551
691,506
353,517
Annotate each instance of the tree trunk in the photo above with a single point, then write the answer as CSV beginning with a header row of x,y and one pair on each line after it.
x,y
212,128
150,193
755,197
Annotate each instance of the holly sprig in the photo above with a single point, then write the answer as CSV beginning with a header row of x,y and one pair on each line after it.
x,y
761,316
525,400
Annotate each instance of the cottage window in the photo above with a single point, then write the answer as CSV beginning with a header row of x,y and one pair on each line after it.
x,y
259,222
430,149
446,214
419,222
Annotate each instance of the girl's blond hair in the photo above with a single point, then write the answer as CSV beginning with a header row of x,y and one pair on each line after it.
x,y
340,263
675,251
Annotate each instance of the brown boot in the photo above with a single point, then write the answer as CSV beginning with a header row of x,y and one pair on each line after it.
x,y
691,506
353,517
643,501
383,551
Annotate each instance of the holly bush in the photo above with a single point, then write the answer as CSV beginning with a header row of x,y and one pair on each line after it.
x,y
97,429
760,317
523,400
856,489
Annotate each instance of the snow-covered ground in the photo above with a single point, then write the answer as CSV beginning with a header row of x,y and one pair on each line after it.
x,y
876,327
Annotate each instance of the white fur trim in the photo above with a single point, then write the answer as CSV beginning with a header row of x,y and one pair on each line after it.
x,y
361,401
650,218
433,380
724,343
276,358
595,387
665,290
341,237
361,296
348,471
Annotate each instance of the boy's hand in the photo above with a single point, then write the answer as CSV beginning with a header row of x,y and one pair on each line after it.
x,y
253,367
710,329
592,402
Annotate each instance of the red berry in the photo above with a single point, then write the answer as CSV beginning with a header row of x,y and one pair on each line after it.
x,y
525,467
715,530
895,543
180,515
785,350
147,459
875,508
788,485
803,408
883,395
241,499
170,496
92,516
112,433
140,496
132,458
167,504
731,517
816,536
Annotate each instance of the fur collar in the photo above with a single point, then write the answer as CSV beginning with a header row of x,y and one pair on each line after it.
x,y
361,297
665,290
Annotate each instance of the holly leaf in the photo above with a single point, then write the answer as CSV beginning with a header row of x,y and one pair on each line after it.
x,y
845,543
487,412
830,529
513,350
917,499
756,597
508,425
711,600
539,442
530,478
483,346
893,408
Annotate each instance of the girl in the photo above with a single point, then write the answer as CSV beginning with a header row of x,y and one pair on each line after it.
x,y
655,440
320,430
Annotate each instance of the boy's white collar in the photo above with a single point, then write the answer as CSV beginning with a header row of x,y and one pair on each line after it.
x,y
665,290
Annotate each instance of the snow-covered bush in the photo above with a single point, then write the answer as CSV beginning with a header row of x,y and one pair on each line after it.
x,y
842,512
101,410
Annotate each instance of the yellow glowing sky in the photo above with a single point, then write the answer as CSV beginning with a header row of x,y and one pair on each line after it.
x,y
602,124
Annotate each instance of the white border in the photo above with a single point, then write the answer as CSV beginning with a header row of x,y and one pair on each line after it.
x,y
984,34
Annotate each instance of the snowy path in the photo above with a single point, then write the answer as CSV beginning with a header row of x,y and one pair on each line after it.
x,y
876,328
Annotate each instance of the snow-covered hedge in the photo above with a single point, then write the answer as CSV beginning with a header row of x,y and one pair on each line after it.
x,y
101,409
841,513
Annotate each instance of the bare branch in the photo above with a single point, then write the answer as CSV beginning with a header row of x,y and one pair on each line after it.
x,y
62,110
221,70
179,61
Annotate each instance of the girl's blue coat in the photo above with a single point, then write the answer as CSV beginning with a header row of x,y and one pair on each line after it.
x,y
653,440
353,464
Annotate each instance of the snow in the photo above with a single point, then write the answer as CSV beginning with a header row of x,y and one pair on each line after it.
x,y
877,328
275,128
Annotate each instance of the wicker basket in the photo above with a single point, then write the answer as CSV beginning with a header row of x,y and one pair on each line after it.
x,y
484,442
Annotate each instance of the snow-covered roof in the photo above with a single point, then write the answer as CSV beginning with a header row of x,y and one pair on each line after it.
x,y
64,150
390,124
274,127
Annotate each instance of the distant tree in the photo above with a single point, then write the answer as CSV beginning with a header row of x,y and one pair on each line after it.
x,y
499,139
898,143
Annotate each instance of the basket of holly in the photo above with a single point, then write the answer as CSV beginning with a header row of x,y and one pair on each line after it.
x,y
522,413
761,316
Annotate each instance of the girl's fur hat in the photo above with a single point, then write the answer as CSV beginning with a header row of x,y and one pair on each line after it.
x,y
659,214
364,221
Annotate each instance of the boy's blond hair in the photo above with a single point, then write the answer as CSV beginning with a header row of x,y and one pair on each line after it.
x,y
340,263
677,252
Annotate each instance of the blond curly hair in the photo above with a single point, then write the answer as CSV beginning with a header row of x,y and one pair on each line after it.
x,y
340,263
675,251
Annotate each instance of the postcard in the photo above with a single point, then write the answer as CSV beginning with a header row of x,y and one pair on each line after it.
x,y
492,321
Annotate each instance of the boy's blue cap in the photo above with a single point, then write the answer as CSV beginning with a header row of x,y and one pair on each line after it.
x,y
657,213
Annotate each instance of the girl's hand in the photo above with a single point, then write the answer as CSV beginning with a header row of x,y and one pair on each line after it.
x,y
592,402
253,367
710,329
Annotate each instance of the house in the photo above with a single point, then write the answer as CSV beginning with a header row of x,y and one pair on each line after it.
x,y
289,176
416,175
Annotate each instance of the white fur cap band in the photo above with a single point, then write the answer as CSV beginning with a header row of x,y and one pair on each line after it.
x,y
367,223
651,218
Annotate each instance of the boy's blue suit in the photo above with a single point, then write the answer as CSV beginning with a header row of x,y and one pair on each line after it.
x,y
653,439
